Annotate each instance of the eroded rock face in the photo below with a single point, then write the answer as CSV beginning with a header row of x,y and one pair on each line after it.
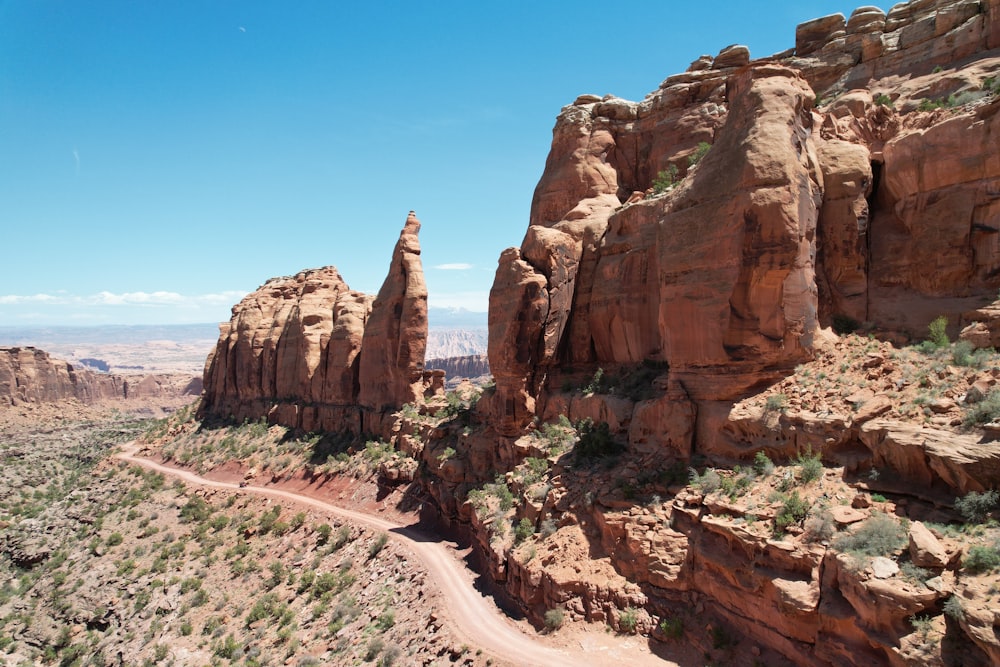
x,y
292,352
30,375
395,338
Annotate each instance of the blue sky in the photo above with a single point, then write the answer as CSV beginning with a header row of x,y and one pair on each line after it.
x,y
160,159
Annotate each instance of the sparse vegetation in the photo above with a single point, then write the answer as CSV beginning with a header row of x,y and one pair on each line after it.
x,y
665,179
879,535
793,510
810,466
699,153
595,441
883,100
776,402
554,618
628,620
981,559
975,507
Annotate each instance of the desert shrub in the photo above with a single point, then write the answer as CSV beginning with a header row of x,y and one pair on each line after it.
x,y
595,441
524,529
700,152
737,484
195,511
980,559
628,620
985,411
549,528
844,324
793,510
558,436
954,609
913,573
820,527
776,402
883,100
810,466
377,545
879,535
323,534
554,618
707,482
114,539
665,179
762,465
961,353
375,647
672,627
975,507
938,336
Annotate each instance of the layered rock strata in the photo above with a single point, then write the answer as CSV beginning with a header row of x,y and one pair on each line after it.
x,y
29,376
308,352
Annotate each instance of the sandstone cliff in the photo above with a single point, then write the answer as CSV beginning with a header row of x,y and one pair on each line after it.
x,y
797,216
29,375
308,352
689,251
472,366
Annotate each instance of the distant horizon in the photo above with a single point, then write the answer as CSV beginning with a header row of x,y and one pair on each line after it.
x,y
448,319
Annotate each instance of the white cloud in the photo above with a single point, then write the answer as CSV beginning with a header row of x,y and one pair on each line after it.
x,y
34,298
477,302
105,298
456,266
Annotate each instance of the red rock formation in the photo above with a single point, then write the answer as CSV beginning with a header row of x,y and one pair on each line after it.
x,y
30,375
395,339
308,352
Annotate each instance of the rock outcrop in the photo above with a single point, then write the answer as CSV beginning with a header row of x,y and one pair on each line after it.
x,y
796,217
472,366
29,375
308,352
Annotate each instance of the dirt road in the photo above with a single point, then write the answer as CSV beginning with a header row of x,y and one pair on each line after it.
x,y
474,617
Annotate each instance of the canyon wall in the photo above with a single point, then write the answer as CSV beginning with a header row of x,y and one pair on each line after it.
x,y
881,205
30,376
308,352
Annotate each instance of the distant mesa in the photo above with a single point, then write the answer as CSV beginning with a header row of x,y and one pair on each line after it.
x,y
29,375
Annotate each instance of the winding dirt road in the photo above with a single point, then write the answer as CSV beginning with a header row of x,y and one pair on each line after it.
x,y
474,617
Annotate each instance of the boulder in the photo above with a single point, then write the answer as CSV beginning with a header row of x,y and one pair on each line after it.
x,y
925,549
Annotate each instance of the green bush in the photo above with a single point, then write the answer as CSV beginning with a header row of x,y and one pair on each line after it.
x,y
524,529
980,559
762,465
883,100
776,402
377,545
985,411
707,482
938,336
954,609
879,535
700,152
975,507
628,620
793,510
554,618
595,441
810,466
665,179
